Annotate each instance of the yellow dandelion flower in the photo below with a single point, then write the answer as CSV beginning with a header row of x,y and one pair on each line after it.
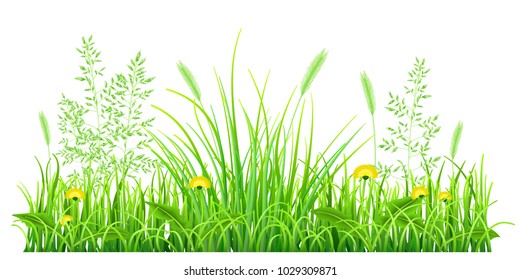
x,y
419,192
74,194
365,171
200,182
66,219
445,196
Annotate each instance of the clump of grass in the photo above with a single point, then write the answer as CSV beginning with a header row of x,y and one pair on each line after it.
x,y
218,186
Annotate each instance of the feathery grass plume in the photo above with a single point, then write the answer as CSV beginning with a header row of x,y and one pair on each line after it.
x,y
371,103
455,139
46,131
369,92
313,70
189,79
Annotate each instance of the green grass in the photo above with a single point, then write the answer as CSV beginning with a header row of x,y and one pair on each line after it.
x,y
271,191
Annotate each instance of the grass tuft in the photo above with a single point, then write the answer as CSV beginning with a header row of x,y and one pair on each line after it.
x,y
264,186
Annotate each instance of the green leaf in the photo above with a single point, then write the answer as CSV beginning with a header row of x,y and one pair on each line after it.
x,y
189,79
478,233
108,233
381,219
169,213
404,220
338,219
38,220
329,214
313,70
405,204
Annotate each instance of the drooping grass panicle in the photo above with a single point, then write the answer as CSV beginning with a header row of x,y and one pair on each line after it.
x,y
455,139
189,79
369,92
313,70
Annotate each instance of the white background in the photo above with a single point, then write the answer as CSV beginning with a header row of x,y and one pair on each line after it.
x,y
471,46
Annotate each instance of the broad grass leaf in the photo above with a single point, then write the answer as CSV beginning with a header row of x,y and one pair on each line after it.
x,y
108,233
404,220
478,233
38,220
381,219
338,219
405,204
169,213
329,214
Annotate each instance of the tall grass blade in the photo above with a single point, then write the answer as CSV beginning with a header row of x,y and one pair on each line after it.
x,y
189,79
455,140
313,70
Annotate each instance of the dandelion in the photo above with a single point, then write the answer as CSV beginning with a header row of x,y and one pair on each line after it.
x,y
419,192
365,171
66,219
200,182
74,194
445,196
